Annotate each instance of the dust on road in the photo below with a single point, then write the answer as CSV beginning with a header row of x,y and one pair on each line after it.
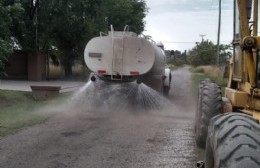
x,y
85,138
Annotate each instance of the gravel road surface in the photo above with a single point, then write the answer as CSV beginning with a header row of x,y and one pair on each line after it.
x,y
87,139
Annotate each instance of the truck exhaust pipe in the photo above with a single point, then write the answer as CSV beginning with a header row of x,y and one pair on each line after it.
x,y
138,81
93,78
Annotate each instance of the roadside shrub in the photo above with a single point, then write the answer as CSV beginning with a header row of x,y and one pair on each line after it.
x,y
198,70
215,73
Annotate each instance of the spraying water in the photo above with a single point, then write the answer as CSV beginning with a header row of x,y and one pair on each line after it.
x,y
82,89
108,96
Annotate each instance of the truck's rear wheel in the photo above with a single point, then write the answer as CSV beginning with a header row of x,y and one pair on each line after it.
x,y
166,90
209,105
233,142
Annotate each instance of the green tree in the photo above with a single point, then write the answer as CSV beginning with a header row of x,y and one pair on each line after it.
x,y
176,57
124,12
84,19
204,53
8,13
73,24
225,53
66,26
23,28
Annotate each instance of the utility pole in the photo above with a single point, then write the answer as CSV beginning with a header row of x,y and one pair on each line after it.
x,y
36,29
202,37
219,26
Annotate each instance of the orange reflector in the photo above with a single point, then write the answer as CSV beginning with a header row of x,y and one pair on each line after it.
x,y
102,72
134,73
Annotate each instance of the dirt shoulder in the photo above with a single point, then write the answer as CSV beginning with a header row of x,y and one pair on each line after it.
x,y
20,85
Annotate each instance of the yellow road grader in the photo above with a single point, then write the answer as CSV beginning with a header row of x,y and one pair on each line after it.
x,y
228,127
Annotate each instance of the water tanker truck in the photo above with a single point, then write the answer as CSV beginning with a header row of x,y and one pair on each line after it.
x,y
122,56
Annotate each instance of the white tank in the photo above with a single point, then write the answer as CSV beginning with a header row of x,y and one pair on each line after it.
x,y
123,56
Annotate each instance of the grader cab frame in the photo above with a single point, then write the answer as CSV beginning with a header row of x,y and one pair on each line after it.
x,y
244,82
228,127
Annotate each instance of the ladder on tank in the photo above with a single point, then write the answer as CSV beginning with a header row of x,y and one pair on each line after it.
x,y
118,55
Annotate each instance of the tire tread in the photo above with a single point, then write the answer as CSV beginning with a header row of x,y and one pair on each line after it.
x,y
234,138
209,105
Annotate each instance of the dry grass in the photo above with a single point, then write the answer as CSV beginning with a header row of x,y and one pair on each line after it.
x,y
57,72
213,72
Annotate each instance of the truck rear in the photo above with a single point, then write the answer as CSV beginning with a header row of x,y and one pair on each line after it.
x,y
122,56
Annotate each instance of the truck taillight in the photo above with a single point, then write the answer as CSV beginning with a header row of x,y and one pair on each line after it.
x,y
102,72
134,73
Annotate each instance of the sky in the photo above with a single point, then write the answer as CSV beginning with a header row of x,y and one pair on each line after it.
x,y
178,24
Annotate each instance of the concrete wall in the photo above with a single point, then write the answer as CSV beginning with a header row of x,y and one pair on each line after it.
x,y
37,67
33,67
16,67
25,66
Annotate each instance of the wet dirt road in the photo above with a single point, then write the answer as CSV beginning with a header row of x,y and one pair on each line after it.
x,y
82,139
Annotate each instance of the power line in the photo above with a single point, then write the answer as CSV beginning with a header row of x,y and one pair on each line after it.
x,y
191,41
179,42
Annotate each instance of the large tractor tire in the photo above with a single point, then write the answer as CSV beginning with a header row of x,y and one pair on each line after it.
x,y
209,105
233,142
197,115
